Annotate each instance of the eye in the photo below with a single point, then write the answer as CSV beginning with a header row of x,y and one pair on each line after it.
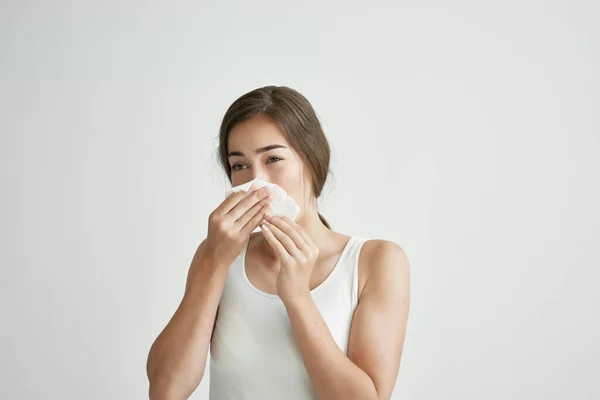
x,y
233,167
270,160
275,157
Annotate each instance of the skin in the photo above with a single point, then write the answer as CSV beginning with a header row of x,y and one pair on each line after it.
x,y
290,258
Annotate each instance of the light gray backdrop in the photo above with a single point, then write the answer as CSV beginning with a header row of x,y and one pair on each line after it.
x,y
468,132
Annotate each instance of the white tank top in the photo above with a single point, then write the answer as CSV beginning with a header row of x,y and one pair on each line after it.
x,y
253,354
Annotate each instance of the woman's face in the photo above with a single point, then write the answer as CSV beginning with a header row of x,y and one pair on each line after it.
x,y
257,148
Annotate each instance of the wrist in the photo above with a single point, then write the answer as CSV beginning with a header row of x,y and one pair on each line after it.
x,y
298,300
213,261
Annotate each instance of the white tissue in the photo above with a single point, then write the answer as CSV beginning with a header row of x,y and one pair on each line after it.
x,y
281,203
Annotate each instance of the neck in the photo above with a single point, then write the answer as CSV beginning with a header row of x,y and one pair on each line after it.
x,y
316,229
309,220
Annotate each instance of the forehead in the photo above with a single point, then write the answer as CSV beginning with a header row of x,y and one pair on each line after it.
x,y
257,131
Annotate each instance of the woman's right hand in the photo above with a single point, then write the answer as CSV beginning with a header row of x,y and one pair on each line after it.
x,y
232,222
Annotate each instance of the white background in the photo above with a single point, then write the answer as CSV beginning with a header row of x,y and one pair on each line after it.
x,y
467,132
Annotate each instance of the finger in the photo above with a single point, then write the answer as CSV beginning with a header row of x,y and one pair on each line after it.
x,y
248,215
248,202
231,200
283,223
274,243
283,237
307,240
255,220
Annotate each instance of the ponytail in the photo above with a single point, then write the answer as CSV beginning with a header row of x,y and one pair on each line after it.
x,y
324,221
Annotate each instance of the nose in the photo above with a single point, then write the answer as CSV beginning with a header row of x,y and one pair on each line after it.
x,y
261,176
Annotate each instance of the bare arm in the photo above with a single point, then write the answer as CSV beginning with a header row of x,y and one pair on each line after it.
x,y
178,356
376,338
380,320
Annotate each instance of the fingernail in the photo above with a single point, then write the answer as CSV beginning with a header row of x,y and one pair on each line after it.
x,y
268,215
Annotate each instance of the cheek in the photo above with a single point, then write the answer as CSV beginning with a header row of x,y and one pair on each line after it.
x,y
237,179
293,182
290,179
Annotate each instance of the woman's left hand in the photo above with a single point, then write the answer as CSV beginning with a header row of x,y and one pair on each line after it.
x,y
297,254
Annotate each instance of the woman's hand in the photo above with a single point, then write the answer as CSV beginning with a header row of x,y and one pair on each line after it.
x,y
232,222
297,254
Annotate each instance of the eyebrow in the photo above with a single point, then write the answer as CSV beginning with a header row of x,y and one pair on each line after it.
x,y
258,151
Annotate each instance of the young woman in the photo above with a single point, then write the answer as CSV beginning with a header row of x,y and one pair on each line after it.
x,y
295,310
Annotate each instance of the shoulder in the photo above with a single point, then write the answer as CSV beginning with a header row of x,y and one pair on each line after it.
x,y
385,266
380,251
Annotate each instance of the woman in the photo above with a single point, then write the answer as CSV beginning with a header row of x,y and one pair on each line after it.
x,y
295,310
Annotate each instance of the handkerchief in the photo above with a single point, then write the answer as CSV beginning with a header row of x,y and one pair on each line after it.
x,y
281,203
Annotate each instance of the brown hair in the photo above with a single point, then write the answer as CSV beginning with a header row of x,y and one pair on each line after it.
x,y
296,118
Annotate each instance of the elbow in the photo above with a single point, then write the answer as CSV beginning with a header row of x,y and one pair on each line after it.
x,y
165,385
162,388
161,391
